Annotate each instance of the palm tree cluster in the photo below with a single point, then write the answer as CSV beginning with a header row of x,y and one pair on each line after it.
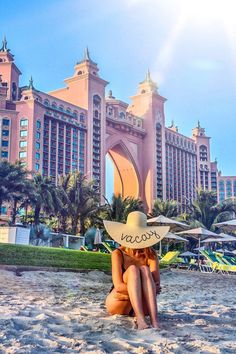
x,y
205,211
74,203
71,201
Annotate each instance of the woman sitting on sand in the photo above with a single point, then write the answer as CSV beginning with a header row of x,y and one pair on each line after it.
x,y
135,270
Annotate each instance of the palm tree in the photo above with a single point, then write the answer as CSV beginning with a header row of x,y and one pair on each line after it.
x,y
43,197
13,181
120,207
80,201
167,208
206,211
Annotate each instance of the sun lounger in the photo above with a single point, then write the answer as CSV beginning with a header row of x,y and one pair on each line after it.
x,y
170,258
216,264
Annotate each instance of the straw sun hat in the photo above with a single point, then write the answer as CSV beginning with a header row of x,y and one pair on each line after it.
x,y
135,233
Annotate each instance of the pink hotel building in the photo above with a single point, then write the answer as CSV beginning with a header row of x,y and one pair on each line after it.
x,y
74,127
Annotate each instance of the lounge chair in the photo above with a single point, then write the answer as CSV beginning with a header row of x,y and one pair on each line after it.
x,y
170,258
216,264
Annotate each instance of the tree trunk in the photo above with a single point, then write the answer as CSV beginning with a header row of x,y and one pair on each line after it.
x,y
36,214
63,223
14,210
74,224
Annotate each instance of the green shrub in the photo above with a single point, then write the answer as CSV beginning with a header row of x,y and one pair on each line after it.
x,y
53,257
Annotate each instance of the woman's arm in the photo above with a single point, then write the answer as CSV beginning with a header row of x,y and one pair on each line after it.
x,y
154,268
117,276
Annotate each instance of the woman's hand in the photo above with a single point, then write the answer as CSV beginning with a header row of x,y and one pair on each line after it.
x,y
158,288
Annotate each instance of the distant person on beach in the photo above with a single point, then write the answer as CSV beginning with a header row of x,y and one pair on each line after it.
x,y
135,269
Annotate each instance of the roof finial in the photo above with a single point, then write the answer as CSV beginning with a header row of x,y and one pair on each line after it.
x,y
86,54
198,124
148,76
31,83
4,45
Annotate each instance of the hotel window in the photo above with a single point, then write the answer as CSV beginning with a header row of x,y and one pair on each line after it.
x,y
22,154
23,122
4,154
37,135
122,115
5,132
37,166
75,114
5,143
23,144
23,133
38,124
82,118
37,145
37,155
5,122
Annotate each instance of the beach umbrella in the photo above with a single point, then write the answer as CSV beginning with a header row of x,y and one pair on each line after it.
x,y
162,220
227,225
199,248
172,237
220,250
200,233
98,237
223,238
188,254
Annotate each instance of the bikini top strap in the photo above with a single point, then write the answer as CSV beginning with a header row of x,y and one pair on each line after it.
x,y
122,257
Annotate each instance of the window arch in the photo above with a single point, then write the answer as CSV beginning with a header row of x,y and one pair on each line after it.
x,y
203,152
75,114
97,101
46,102
122,115
54,105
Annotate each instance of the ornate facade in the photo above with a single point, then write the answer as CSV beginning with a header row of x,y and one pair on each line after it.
x,y
74,127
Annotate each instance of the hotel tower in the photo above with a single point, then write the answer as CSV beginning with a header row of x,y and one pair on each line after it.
x,y
76,126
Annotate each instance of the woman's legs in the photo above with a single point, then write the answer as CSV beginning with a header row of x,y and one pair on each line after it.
x,y
132,278
149,293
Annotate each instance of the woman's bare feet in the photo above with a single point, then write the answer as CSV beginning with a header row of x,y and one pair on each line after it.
x,y
142,324
156,325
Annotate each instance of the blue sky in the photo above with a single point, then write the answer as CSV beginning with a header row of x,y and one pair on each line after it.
x,y
188,45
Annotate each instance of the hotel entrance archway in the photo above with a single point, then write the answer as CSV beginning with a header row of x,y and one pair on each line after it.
x,y
126,180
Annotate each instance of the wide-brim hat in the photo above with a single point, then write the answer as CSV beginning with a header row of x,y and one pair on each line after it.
x,y
135,233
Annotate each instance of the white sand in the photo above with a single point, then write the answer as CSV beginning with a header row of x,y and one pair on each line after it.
x,y
43,312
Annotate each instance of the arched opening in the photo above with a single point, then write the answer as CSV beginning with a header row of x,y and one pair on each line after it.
x,y
121,175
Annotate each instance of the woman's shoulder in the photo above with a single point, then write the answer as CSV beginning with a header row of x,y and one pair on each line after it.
x,y
118,252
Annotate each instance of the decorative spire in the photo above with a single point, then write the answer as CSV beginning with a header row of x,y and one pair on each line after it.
x,y
198,124
110,94
31,83
86,54
86,57
173,126
4,45
148,76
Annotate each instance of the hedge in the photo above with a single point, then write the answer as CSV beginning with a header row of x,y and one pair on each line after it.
x,y
53,257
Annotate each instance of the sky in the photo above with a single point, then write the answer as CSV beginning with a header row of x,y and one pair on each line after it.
x,y
189,47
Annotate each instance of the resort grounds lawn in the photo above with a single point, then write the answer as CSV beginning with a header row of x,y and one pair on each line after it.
x,y
53,257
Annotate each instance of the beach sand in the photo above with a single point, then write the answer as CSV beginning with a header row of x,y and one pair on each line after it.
x,y
46,312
